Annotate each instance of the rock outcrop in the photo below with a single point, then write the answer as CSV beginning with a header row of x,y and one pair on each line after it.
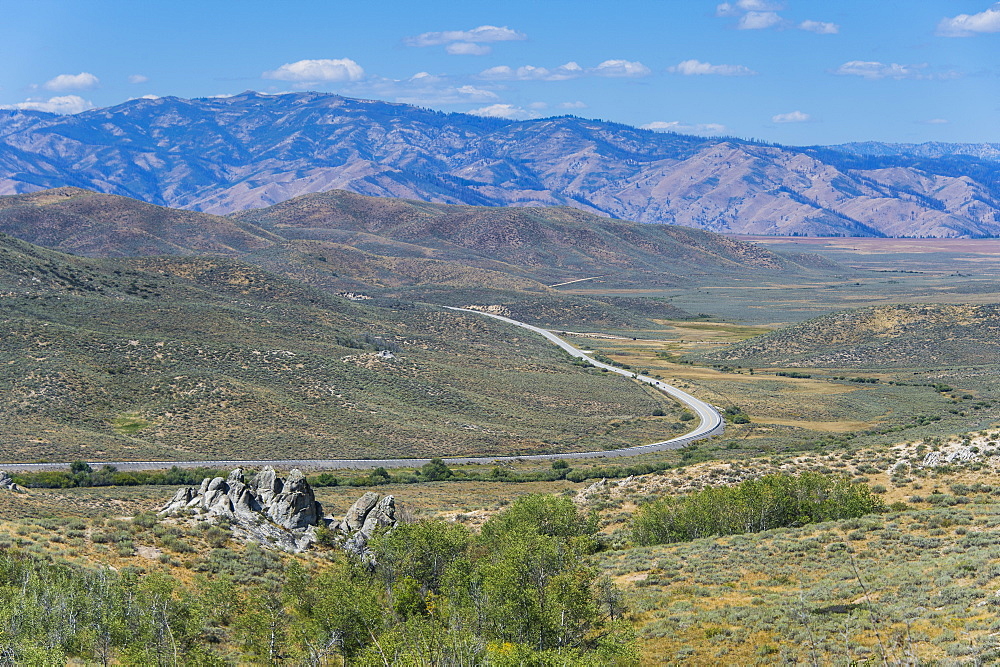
x,y
8,484
272,511
368,513
281,513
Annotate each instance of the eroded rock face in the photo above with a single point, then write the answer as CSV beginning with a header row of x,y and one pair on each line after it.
x,y
355,518
272,511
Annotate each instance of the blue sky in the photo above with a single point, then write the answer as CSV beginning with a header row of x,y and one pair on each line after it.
x,y
795,72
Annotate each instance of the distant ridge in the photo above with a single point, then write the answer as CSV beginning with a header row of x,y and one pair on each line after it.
x,y
928,149
342,240
251,150
98,225
549,245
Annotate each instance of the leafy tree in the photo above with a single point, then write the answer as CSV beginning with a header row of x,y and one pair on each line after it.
x,y
435,470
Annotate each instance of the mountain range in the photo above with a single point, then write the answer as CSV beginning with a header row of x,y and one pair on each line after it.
x,y
225,155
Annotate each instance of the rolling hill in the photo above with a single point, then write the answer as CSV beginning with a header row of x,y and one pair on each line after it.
x,y
340,240
98,225
890,336
199,357
551,245
222,155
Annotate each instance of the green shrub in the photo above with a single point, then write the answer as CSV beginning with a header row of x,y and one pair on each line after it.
x,y
754,505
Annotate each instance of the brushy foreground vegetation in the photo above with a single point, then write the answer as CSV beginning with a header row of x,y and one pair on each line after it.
x,y
773,501
519,592
916,587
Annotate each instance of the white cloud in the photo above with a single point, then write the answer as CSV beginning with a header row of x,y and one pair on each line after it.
x,y
500,73
426,78
138,78
315,71
790,117
727,9
820,27
532,73
484,33
81,81
966,25
434,95
474,94
760,5
538,105
423,89
731,9
621,68
468,49
758,21
876,70
936,121
572,105
763,14
570,70
508,111
684,128
695,67
66,104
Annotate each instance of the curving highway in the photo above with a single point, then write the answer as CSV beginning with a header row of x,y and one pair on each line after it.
x,y
710,424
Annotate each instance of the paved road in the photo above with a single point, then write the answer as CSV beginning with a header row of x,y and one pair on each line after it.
x,y
710,424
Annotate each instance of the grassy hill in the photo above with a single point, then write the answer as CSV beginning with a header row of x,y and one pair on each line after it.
x,y
890,336
98,225
514,258
550,245
190,357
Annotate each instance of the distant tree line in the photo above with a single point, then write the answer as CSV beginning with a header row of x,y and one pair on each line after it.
x,y
437,470
81,473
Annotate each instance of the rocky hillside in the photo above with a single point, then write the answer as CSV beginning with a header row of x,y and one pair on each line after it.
x,y
899,336
230,154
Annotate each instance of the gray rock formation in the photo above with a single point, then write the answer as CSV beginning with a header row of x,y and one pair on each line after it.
x,y
368,513
281,513
8,484
272,511
355,518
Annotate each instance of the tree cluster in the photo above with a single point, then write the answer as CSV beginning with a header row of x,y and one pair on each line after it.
x,y
752,506
82,474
